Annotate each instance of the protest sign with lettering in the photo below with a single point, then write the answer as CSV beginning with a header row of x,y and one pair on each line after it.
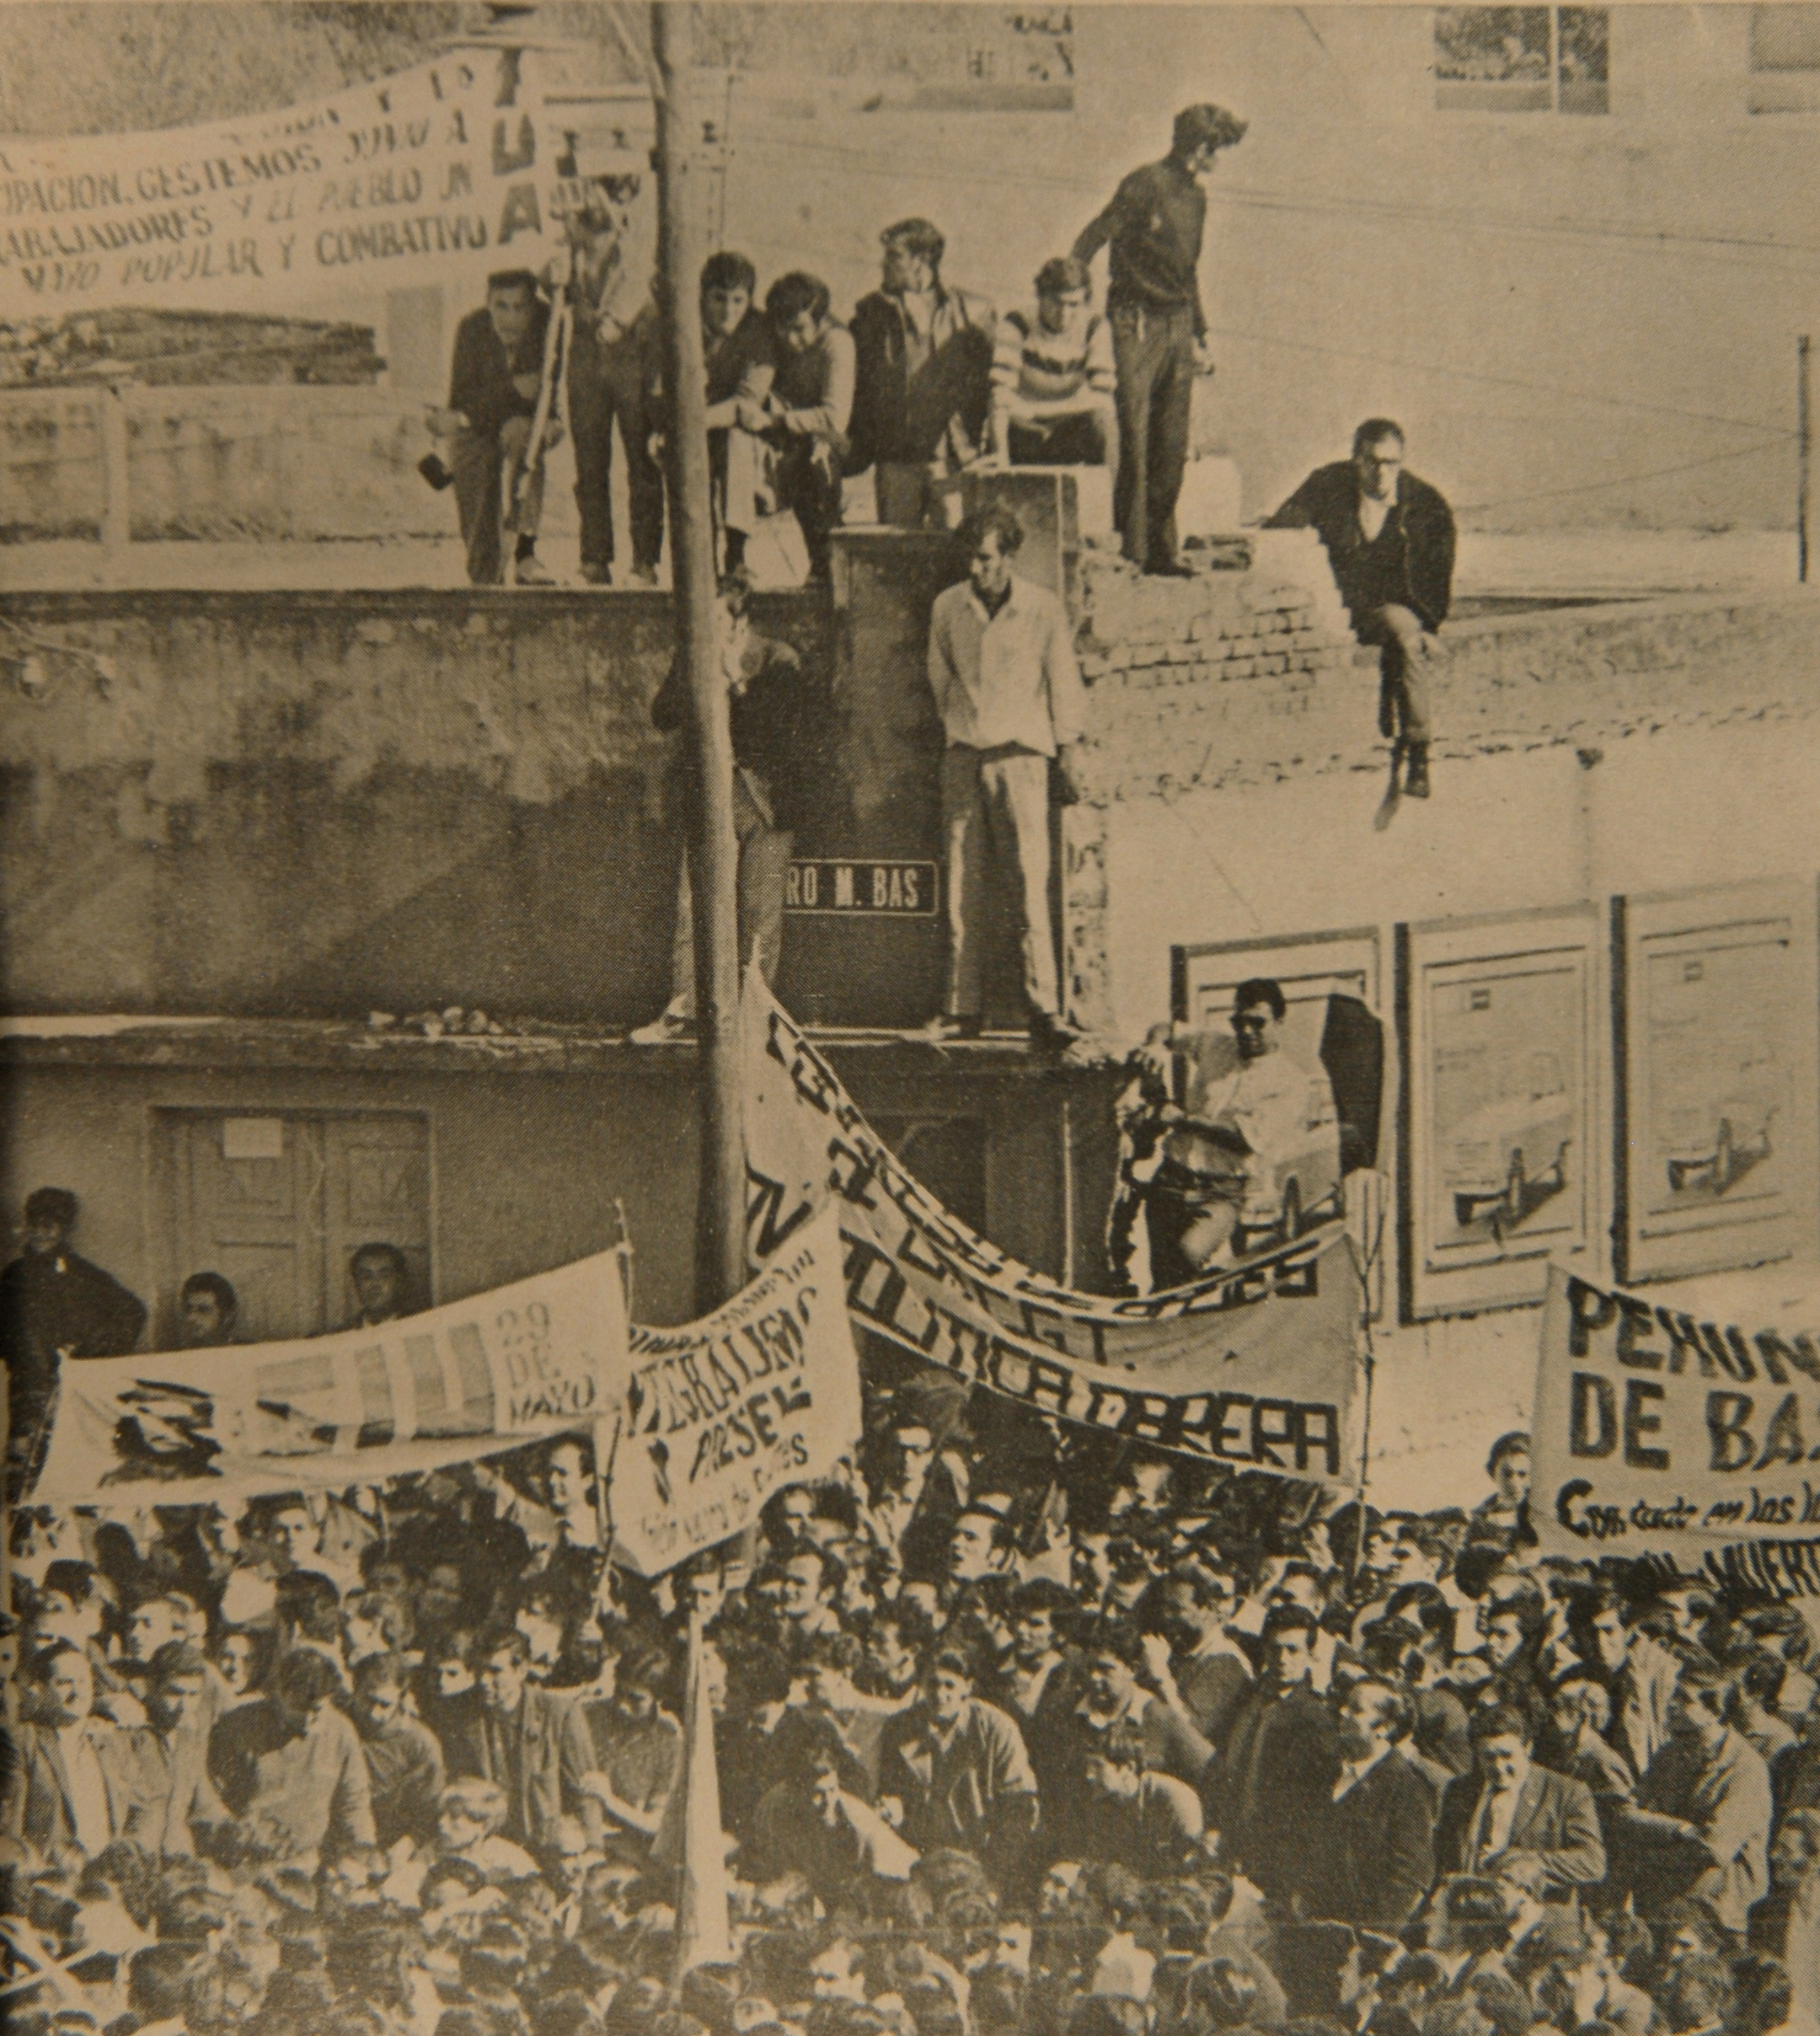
x,y
488,1374
1255,1366
721,1413
445,171
1659,1433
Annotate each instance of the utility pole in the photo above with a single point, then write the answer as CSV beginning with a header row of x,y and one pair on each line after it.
x,y
713,846
1804,430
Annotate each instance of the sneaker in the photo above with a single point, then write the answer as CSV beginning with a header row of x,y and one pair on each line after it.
x,y
644,575
671,1027
532,572
947,1027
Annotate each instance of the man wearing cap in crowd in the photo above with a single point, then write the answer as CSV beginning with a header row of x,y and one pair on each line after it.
x,y
1155,224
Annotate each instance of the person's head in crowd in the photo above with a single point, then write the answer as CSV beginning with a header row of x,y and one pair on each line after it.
x,y
154,1623
1762,1993
1522,1878
1198,135
176,1682
1601,1624
979,1545
1796,1854
830,1662
440,1597
469,1812
291,1534
1689,1606
989,541
1373,1716
241,1657
1688,1927
304,1687
1470,1916
1697,1709
1311,1960
700,1586
500,1662
1697,1995
833,1517
511,299
1134,1570
785,1517
1257,1016
49,1220
1056,1891
729,283
811,1581
913,258
1502,1739
310,1606
893,1639
1090,1562
569,1477
1192,1604
380,1687
1580,1707
1414,1984
207,1308
65,1676
1422,1556
543,1619
1221,1994
381,1276
1113,1652
1512,1631
797,306
73,1603
948,1685
837,1969
1299,1583
1064,294
1040,1611
911,1452
1758,1676
1114,1769
1477,1570
373,1622
639,1683
1289,1633
1507,1467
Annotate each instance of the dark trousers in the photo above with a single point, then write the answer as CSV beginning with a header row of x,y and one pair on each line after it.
x,y
1188,1220
606,382
1403,691
810,489
1081,440
1155,353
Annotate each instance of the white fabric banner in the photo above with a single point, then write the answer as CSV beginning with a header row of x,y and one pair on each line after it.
x,y
454,168
1256,1366
721,1413
1659,1433
520,1364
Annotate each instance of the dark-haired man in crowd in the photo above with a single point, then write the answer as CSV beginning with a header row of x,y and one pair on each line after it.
x,y
922,374
958,1768
494,383
1001,665
1155,224
809,409
1389,539
1701,1824
739,358
290,1765
1509,1804
403,1759
1054,382
1372,1855
53,1304
208,1309
533,1743
381,1277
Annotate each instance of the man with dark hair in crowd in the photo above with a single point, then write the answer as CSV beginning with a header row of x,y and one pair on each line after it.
x,y
1373,1851
494,385
1054,382
53,1304
636,1746
1642,1674
1001,665
809,409
381,1277
958,1769
179,1800
1207,1671
404,1759
1389,539
533,1743
1511,1805
206,1310
1155,225
289,1765
923,352
75,1785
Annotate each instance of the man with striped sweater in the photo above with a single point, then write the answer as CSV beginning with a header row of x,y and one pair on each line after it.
x,y
1054,382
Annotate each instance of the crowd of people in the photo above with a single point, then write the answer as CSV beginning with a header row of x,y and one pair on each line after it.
x,y
1021,1729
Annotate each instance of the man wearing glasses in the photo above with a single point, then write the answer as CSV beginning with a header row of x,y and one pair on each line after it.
x,y
1245,1103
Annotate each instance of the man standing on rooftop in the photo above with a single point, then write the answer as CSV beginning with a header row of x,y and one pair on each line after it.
x,y
1155,225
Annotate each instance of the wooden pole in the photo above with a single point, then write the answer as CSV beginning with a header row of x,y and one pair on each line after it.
x,y
1804,426
714,847
116,513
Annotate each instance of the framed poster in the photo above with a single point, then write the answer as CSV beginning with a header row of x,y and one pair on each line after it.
x,y
1716,1034
1501,1124
1346,1038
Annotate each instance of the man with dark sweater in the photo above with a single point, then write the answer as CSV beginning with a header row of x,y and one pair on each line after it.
x,y
1390,540
1155,224
53,1306
1371,1852
493,398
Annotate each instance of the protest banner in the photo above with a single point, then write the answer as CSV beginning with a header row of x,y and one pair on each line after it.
x,y
1255,1366
1657,1433
721,1413
442,173
519,1363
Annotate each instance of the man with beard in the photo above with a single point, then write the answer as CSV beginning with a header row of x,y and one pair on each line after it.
x,y
1371,1853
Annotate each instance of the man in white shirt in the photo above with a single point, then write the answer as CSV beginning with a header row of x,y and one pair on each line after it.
x,y
1001,668
1246,1107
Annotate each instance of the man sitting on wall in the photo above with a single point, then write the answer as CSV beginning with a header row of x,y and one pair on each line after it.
x,y
810,406
1054,382
1389,539
493,397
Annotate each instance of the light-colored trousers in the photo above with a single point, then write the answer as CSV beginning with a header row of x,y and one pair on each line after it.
x,y
997,800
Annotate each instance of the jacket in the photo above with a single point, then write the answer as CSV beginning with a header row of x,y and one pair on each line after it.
x,y
954,1795
1725,1795
1371,1853
1327,502
37,1807
1265,1792
1556,1817
554,1753
932,413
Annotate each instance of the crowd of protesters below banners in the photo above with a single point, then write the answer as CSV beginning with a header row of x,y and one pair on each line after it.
x,y
926,382
1021,1729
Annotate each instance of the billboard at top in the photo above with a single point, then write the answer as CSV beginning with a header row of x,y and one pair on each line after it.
x,y
459,166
